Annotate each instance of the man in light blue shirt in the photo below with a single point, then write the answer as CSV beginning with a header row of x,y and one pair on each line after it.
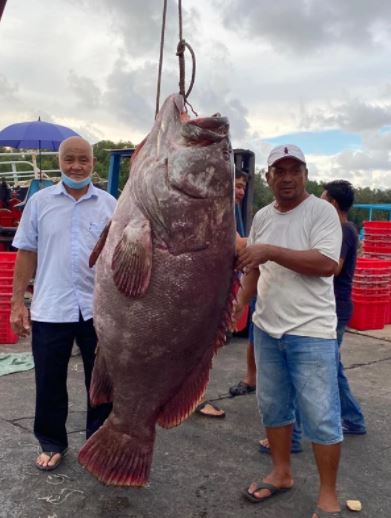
x,y
58,230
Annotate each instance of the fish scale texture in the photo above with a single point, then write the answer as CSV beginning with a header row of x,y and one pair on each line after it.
x,y
160,321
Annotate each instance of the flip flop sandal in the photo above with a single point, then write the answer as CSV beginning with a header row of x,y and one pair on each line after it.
x,y
327,514
274,491
201,407
242,389
51,454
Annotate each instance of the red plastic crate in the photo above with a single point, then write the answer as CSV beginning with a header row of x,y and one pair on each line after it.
x,y
374,239
368,314
7,263
5,301
7,256
6,281
377,227
378,248
382,293
7,336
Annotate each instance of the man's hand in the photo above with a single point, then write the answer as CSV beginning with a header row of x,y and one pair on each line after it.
x,y
252,256
20,319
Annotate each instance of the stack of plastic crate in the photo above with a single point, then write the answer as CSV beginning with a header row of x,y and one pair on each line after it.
x,y
371,294
377,239
7,266
377,245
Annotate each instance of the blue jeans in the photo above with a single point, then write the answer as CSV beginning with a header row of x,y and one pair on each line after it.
x,y
299,370
351,412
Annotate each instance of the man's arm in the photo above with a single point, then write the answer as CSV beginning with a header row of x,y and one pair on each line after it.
x,y
25,266
305,262
340,266
247,290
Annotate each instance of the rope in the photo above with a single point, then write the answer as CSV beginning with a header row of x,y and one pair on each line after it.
x,y
181,47
161,57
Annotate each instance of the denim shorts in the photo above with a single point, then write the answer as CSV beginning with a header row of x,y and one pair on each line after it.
x,y
299,370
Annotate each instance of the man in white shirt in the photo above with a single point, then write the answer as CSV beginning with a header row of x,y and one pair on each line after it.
x,y
58,230
292,253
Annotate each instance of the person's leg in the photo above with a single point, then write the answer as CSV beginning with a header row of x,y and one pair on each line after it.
x,y
353,420
251,375
264,444
327,460
248,384
86,339
313,368
51,347
275,400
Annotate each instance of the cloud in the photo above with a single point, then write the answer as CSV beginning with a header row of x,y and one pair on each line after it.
x,y
7,89
138,24
88,94
353,115
307,25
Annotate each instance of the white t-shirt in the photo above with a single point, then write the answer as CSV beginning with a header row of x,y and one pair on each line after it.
x,y
289,302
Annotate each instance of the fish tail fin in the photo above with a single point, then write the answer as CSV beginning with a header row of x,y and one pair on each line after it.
x,y
192,391
116,458
101,388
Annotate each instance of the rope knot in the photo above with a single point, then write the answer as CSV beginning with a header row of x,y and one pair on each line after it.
x,y
181,47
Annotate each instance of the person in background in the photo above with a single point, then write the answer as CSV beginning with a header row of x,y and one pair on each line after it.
x,y
5,194
206,408
340,194
292,254
248,384
58,230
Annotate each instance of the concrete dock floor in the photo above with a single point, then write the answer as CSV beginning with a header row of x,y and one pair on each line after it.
x,y
201,467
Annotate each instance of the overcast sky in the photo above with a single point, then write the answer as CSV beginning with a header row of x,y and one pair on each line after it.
x,y
306,72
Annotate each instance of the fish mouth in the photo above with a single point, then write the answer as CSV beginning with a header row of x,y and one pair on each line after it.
x,y
205,131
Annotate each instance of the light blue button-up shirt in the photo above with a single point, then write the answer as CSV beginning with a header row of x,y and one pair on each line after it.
x,y
63,232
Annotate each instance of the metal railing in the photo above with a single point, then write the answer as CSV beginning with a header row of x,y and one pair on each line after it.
x,y
14,176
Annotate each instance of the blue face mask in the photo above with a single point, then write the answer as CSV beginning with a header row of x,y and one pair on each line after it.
x,y
75,184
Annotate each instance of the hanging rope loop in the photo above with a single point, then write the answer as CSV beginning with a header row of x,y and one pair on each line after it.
x,y
182,46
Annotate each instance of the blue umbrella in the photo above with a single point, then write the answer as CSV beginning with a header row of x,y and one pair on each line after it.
x,y
35,135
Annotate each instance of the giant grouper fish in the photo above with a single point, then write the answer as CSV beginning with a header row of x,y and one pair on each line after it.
x,y
164,284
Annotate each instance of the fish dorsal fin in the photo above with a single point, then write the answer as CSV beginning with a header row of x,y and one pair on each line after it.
x,y
99,245
132,258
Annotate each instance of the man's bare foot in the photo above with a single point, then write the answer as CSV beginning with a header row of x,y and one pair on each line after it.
x,y
264,442
207,409
48,461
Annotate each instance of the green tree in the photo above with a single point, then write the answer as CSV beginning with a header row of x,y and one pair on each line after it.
x,y
262,194
102,155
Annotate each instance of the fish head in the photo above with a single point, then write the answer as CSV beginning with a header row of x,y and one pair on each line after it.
x,y
201,166
198,212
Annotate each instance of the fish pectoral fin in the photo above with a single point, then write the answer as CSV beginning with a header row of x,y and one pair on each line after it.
x,y
132,259
99,245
